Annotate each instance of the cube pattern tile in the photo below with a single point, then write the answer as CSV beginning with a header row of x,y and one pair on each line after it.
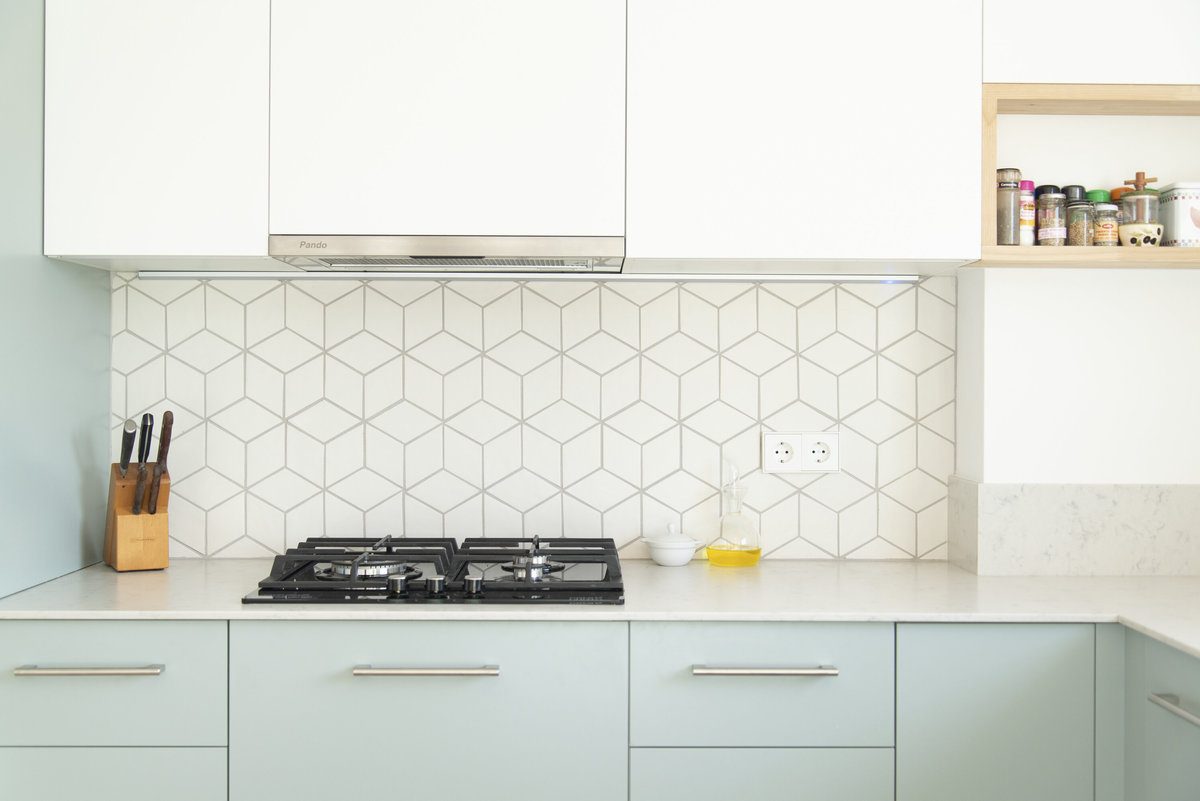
x,y
311,408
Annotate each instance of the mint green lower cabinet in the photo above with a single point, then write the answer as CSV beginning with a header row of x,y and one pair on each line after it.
x,y
553,724
670,705
761,774
113,774
995,712
1169,750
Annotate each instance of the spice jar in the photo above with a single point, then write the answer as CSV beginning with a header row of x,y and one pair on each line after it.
x,y
1140,205
1074,192
1052,219
1105,226
1008,206
1079,224
1115,197
1028,233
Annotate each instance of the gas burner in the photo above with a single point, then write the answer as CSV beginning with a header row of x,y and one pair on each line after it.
x,y
369,568
537,567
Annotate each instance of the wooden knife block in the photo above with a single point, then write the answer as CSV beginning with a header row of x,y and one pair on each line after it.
x,y
135,542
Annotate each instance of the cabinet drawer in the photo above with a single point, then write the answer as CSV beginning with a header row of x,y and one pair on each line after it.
x,y
70,682
535,711
761,684
1172,746
763,774
113,774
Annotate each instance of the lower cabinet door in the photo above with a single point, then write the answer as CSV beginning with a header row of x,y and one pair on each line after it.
x,y
1170,706
113,774
761,774
995,712
420,709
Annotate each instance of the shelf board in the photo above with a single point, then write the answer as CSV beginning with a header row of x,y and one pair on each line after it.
x,y
1088,99
1118,257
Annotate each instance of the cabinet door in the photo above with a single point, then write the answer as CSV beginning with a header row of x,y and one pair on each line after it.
x,y
156,127
1035,44
994,712
551,725
453,117
765,129
1171,748
113,774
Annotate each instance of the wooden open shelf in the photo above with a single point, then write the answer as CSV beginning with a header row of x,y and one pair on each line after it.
x,y
1155,100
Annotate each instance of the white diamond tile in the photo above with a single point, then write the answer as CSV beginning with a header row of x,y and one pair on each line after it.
x,y
698,319
542,386
619,388
264,455
502,387
284,351
935,318
897,386
718,294
264,315
501,319
346,316
187,529
837,490
145,317
246,419
500,519
129,352
858,524
422,386
304,386
639,293
622,523
265,524
323,421
897,318
796,295
719,422
581,455
561,292
941,422
384,455
226,454
898,456
305,456
423,456
364,489
935,454
580,519
224,316
944,286
327,291
303,314
878,421
481,422
857,387
916,490
640,422
244,291
699,387
622,456
660,318
601,352
523,490
422,318
758,353
562,421
660,388
816,320
878,548
386,519
404,293
541,454
601,490
464,319
819,526
935,387
898,525
541,319
383,387
305,521
681,491
404,422
343,386
679,353
837,353
932,525
737,319
856,318
619,315
442,491
777,318
779,524
381,316
146,386
344,454
858,456
917,352
462,387
365,352
581,318
481,293
798,416
739,387
242,377
466,519
521,353
342,517
226,523
660,456
877,294
443,352
206,488
184,317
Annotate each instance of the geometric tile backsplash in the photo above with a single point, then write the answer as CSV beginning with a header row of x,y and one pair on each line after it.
x,y
564,409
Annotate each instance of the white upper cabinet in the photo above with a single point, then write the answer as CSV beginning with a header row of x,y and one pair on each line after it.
x,y
772,129
1086,42
156,128
454,117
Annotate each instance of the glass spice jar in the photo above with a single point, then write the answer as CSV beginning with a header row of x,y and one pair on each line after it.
x,y
1079,224
1107,233
1008,206
1052,219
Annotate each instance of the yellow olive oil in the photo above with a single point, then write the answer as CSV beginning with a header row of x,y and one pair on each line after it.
x,y
732,556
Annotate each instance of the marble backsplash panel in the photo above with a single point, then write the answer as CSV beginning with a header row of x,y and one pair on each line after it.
x,y
577,409
1075,529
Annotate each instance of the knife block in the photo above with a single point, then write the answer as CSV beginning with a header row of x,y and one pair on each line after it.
x,y
135,542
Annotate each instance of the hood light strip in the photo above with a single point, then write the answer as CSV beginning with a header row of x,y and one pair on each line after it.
x,y
675,278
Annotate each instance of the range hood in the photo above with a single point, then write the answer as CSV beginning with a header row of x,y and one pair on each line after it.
x,y
450,254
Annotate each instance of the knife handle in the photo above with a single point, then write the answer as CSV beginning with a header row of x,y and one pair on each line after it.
x,y
127,437
139,490
156,483
164,441
144,442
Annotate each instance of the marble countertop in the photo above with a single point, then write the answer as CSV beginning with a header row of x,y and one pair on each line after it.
x,y
1165,608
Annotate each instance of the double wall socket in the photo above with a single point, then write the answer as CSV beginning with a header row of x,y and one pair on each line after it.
x,y
800,452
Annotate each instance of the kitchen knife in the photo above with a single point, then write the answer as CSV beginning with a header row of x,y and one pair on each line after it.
x,y
143,453
160,464
127,437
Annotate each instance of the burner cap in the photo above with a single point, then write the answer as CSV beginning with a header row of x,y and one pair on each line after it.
x,y
368,568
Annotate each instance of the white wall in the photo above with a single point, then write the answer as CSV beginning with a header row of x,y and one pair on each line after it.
x,y
1090,377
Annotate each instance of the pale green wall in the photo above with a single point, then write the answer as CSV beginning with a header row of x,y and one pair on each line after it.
x,y
54,347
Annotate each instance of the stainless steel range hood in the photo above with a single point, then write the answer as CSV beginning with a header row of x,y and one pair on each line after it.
x,y
451,254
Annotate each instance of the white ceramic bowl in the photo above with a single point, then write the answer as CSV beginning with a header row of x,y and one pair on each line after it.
x,y
673,552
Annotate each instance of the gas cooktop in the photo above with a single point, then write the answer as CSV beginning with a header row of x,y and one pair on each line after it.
x,y
429,571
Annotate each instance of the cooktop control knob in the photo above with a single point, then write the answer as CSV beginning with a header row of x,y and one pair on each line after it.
x,y
435,585
473,585
397,585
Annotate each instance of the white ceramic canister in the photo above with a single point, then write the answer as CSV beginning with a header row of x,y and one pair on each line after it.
x,y
1179,205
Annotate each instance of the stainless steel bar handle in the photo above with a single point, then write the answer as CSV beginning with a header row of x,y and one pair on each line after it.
x,y
483,670
705,670
1170,703
34,670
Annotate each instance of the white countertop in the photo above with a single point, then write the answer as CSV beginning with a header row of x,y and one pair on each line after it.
x,y
1166,608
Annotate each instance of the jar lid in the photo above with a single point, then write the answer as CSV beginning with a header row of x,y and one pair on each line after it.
x,y
1075,191
1029,185
1053,195
1047,188
1106,207
1116,194
1098,195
